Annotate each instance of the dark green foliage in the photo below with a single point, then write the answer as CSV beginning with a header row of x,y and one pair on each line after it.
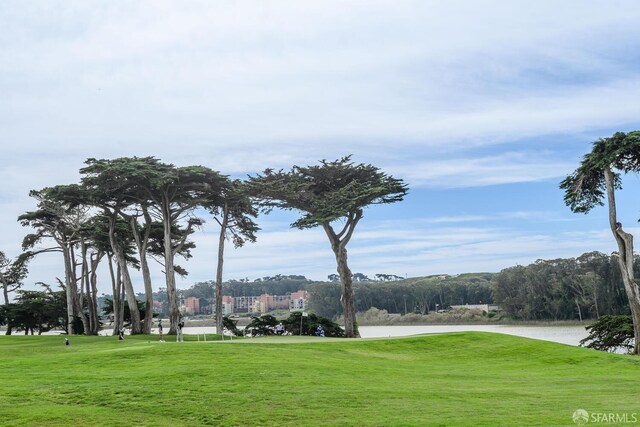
x,y
610,333
283,286
239,288
231,326
585,187
310,324
266,324
232,201
324,299
199,290
404,296
418,295
326,192
35,311
562,289
263,325
13,271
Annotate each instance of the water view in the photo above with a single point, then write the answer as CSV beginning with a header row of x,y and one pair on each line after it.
x,y
570,335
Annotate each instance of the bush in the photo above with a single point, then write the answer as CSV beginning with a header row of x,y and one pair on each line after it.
x,y
264,325
231,326
310,324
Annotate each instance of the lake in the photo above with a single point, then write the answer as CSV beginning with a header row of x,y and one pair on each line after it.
x,y
570,335
561,334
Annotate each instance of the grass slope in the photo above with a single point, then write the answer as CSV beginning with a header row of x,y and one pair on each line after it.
x,y
452,380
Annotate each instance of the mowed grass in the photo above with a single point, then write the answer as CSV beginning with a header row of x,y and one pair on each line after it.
x,y
454,379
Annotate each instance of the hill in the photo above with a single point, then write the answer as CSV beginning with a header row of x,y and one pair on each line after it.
x,y
454,379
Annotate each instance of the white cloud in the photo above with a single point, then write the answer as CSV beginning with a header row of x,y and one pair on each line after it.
x,y
511,167
442,94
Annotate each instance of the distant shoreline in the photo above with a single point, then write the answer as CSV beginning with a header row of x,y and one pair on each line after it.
x,y
243,321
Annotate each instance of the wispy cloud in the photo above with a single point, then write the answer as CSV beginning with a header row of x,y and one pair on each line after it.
x,y
512,167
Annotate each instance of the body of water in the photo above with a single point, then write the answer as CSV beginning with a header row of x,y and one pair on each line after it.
x,y
570,335
561,334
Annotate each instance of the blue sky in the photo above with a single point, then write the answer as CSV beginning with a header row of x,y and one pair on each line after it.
x,y
482,107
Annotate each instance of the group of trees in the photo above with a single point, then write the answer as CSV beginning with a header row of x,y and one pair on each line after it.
x,y
35,311
12,274
129,210
406,296
403,296
236,288
126,211
585,287
296,324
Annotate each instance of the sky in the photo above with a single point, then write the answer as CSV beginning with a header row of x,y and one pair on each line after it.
x,y
481,107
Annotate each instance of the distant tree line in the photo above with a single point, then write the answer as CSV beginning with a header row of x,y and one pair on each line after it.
x,y
237,288
35,312
405,296
586,287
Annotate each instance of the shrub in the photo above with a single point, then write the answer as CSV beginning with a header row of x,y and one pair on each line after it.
x,y
309,325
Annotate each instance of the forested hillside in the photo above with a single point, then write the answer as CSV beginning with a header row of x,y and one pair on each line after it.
x,y
585,287
406,296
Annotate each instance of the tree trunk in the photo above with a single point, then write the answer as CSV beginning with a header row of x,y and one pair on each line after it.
x,y
120,287
93,280
136,327
78,298
174,310
625,259
126,279
579,311
86,281
5,292
70,290
118,300
348,299
148,293
221,241
141,244
339,246
116,296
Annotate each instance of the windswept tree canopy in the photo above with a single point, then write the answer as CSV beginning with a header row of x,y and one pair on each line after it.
x,y
326,192
585,188
233,202
13,272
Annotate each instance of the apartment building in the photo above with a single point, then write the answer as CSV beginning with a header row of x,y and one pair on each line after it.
x,y
298,301
295,301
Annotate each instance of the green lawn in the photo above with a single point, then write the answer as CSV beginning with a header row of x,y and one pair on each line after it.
x,y
452,380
